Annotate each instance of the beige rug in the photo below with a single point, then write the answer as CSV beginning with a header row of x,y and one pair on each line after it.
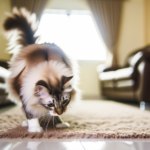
x,y
89,119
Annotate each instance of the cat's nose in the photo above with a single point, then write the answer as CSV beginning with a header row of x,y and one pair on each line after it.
x,y
59,111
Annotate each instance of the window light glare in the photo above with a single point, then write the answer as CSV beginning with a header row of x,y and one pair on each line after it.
x,y
75,34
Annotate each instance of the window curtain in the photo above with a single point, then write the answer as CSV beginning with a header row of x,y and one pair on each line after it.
x,y
34,6
107,15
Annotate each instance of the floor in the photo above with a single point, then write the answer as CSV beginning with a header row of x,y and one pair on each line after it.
x,y
77,144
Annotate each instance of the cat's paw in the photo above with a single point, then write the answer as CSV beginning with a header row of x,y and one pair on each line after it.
x,y
25,123
35,129
62,125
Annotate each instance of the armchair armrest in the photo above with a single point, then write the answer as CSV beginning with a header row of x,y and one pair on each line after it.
x,y
143,82
143,86
103,68
4,64
112,68
138,57
4,73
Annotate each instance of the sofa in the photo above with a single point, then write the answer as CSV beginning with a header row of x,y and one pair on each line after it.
x,y
130,82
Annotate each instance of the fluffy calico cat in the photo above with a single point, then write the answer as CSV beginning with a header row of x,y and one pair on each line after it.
x,y
42,77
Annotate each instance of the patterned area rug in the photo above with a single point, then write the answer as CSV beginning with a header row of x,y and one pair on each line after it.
x,y
89,119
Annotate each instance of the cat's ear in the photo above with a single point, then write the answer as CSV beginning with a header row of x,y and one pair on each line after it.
x,y
41,91
64,80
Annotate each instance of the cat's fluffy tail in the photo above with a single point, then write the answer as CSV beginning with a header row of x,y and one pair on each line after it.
x,y
20,28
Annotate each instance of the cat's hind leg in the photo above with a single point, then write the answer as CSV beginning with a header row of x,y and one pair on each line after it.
x,y
24,123
60,124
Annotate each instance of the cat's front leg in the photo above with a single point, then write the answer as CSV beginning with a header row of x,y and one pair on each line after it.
x,y
34,126
32,122
60,124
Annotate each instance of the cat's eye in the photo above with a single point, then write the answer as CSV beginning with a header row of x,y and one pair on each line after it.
x,y
65,101
50,105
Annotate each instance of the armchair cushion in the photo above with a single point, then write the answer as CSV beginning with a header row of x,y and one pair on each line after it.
x,y
120,74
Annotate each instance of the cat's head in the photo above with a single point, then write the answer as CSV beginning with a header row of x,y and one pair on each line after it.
x,y
54,98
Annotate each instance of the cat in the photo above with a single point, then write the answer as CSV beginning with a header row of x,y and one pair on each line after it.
x,y
43,79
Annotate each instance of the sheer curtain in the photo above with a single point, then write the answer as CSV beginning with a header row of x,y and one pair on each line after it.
x,y
107,15
34,6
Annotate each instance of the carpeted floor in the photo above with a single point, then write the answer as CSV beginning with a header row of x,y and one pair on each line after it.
x,y
89,119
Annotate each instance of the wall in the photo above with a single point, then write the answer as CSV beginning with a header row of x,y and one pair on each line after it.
x,y
147,21
89,83
132,31
4,7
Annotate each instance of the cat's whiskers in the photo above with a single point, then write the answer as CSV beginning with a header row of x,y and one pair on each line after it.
x,y
58,135
44,116
48,123
55,120
46,120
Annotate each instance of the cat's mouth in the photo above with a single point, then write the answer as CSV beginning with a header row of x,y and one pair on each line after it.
x,y
52,113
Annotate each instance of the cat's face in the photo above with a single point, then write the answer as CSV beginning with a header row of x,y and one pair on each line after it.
x,y
54,99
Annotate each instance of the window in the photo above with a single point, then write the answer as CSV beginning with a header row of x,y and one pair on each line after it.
x,y
74,32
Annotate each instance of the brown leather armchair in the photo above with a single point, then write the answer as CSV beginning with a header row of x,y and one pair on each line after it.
x,y
131,82
3,74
